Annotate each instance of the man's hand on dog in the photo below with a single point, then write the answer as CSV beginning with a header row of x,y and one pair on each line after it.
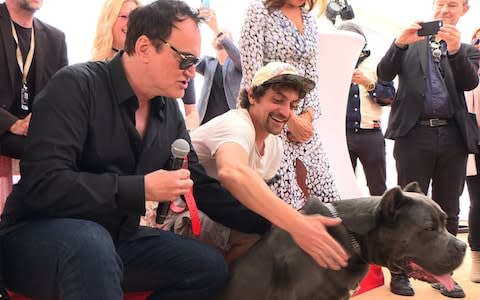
x,y
314,239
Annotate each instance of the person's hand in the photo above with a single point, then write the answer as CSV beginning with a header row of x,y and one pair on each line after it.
x,y
204,13
451,35
300,128
164,186
314,239
409,35
359,77
20,127
210,18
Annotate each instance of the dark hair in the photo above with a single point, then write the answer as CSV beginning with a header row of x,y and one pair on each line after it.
x,y
156,21
276,4
259,91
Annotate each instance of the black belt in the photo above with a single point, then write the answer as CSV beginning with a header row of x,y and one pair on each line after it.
x,y
435,122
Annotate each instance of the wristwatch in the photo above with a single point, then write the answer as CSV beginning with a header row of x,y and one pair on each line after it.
x,y
371,86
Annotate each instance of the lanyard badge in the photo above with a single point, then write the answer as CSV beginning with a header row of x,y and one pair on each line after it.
x,y
24,66
24,97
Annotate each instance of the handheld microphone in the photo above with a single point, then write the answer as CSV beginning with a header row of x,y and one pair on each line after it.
x,y
180,148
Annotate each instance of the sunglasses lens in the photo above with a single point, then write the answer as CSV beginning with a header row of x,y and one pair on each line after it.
x,y
476,42
188,61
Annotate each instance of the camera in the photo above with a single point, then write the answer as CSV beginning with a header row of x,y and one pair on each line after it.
x,y
339,7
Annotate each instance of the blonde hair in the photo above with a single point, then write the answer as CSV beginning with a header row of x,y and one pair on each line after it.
x,y
103,41
321,6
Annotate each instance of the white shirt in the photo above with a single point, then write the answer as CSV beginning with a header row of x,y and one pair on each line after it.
x,y
236,126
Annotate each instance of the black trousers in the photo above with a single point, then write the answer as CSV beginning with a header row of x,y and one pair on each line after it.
x,y
435,155
368,146
473,184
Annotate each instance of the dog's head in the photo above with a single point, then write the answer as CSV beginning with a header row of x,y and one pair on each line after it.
x,y
411,228
403,230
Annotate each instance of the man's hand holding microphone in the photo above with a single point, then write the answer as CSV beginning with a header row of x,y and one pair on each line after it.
x,y
164,186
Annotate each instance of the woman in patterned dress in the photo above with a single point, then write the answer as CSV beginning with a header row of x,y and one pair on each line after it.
x,y
285,30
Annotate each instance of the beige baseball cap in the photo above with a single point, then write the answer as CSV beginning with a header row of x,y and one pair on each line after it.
x,y
280,72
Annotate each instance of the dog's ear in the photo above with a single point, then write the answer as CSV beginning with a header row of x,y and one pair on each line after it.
x,y
392,201
413,187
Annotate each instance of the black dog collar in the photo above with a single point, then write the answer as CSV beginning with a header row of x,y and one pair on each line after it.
x,y
353,242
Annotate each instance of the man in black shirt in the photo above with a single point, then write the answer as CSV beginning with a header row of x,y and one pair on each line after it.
x,y
31,51
98,148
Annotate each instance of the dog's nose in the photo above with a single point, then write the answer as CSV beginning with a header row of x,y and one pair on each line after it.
x,y
460,246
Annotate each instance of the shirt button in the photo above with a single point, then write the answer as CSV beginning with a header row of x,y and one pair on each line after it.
x,y
356,109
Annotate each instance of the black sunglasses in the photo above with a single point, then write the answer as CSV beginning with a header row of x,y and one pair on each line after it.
x,y
475,42
187,59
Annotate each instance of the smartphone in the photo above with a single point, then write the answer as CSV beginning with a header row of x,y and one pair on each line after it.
x,y
206,3
430,28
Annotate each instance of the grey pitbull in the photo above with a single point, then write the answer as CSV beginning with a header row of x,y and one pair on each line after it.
x,y
401,230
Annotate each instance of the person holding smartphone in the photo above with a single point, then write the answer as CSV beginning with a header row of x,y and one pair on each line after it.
x,y
428,119
221,74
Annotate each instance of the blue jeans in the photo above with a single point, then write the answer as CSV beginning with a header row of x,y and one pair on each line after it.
x,y
72,259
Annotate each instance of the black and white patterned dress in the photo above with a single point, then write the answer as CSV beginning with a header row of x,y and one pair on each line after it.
x,y
273,37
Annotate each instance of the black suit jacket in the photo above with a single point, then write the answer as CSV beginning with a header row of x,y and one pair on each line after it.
x,y
50,55
411,66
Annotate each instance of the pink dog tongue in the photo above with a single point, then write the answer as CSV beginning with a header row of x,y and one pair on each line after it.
x,y
446,280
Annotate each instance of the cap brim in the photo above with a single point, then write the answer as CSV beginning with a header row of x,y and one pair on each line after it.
x,y
304,84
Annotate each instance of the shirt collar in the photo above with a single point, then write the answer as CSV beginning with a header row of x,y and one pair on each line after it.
x,y
120,84
122,87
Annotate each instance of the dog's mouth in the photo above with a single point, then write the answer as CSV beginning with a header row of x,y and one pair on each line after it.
x,y
417,272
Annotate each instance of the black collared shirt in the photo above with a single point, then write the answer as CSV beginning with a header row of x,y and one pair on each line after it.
x,y
85,159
